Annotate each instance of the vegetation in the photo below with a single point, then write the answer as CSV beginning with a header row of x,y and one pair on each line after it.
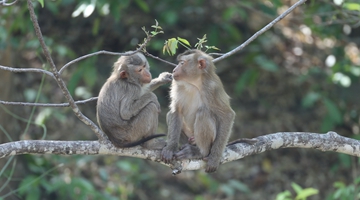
x,y
301,75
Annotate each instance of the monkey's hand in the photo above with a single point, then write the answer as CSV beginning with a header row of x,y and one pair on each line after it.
x,y
212,164
167,154
165,77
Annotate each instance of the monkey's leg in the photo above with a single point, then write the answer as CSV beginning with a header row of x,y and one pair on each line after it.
x,y
204,135
145,124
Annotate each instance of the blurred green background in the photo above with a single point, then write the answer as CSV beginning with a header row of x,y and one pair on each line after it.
x,y
301,75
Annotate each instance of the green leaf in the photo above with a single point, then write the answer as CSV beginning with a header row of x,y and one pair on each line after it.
x,y
339,184
286,195
352,6
310,99
245,79
296,187
239,186
143,5
34,194
307,192
173,45
27,184
41,2
184,41
266,64
333,110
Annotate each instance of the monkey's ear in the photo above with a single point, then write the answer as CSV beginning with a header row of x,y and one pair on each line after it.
x,y
123,74
202,63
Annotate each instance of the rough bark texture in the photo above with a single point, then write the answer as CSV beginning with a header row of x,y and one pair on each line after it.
x,y
330,141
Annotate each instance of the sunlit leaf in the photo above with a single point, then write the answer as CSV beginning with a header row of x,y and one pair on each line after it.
x,y
296,187
339,184
307,192
286,195
89,9
41,2
184,41
79,10
352,6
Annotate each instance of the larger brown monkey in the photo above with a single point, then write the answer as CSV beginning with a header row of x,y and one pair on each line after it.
x,y
200,109
127,110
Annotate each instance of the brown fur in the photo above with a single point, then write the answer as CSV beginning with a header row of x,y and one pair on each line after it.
x,y
199,109
127,109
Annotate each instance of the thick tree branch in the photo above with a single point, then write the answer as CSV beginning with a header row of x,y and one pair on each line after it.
x,y
261,31
59,80
330,141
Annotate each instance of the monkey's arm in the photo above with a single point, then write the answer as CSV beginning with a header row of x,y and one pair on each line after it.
x,y
174,122
163,78
130,107
225,123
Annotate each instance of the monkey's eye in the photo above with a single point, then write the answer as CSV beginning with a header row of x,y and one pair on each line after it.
x,y
139,70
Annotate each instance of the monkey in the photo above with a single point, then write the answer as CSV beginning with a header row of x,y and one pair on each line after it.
x,y
199,109
127,109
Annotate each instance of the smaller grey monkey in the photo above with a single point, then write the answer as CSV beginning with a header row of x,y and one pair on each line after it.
x,y
127,109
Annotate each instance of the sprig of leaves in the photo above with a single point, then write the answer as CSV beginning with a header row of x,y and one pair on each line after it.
x,y
171,45
202,41
150,34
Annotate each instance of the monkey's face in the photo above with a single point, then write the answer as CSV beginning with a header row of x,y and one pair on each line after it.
x,y
144,73
187,69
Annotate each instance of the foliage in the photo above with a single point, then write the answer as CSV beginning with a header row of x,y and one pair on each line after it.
x,y
344,191
302,75
301,193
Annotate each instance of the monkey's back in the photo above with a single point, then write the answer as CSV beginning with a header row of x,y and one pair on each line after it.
x,y
108,108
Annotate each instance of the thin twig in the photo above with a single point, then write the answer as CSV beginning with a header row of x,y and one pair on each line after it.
x,y
12,103
59,80
141,47
19,70
3,3
216,54
261,31
157,58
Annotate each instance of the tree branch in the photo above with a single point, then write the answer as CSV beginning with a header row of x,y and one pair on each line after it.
x,y
59,80
3,3
20,70
157,58
11,103
261,31
330,141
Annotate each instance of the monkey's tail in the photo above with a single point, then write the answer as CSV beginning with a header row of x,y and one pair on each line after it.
x,y
243,140
132,144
